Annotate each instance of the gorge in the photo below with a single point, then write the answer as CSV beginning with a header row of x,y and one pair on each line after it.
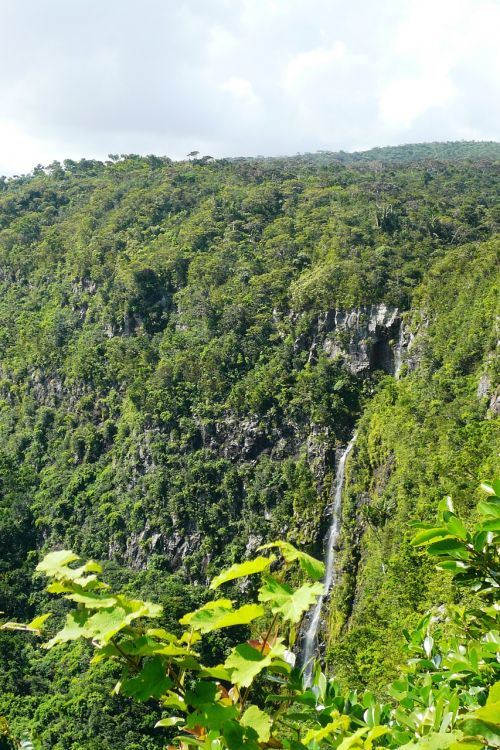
x,y
185,350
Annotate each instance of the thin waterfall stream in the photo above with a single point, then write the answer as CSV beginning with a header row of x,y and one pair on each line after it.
x,y
398,352
311,635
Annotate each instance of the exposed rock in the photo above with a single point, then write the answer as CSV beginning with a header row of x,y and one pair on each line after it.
x,y
412,349
483,387
174,546
494,407
244,438
319,454
253,544
364,337
83,284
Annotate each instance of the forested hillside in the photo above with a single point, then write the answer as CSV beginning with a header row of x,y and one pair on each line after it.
x,y
185,347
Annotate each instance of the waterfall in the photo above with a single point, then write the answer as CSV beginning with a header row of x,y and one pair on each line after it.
x,y
311,635
398,352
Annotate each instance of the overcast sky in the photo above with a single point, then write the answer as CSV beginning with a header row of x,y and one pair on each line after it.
x,y
242,77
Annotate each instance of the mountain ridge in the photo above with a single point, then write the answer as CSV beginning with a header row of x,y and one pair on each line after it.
x,y
405,152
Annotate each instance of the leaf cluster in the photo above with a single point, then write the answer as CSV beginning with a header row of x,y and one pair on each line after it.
x,y
448,694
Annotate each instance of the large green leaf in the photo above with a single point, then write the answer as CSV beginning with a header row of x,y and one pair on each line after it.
x,y
490,508
429,535
151,682
238,737
100,627
74,628
56,562
219,672
457,528
138,608
290,603
212,715
92,600
314,568
448,546
146,646
241,616
209,618
259,721
216,604
492,525
202,692
245,662
106,623
434,741
56,565
484,729
239,570
490,712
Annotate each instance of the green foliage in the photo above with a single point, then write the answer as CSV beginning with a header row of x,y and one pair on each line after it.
x,y
220,614
172,393
473,558
432,433
309,565
239,570
447,696
285,601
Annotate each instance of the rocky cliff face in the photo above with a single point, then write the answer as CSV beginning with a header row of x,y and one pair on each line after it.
x,y
365,338
358,340
361,340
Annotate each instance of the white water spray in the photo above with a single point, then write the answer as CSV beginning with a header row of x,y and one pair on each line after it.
x,y
311,635
398,353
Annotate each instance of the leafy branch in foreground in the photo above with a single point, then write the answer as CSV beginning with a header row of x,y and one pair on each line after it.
x,y
448,695
10,742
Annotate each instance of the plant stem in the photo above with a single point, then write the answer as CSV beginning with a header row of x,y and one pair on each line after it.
x,y
264,643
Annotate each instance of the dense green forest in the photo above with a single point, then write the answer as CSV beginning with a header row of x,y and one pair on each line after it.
x,y
185,347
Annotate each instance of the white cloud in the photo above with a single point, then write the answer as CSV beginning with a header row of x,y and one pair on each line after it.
x,y
230,77
403,100
313,63
241,89
321,85
241,103
18,147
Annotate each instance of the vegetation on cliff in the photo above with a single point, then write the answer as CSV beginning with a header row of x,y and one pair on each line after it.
x,y
448,695
175,383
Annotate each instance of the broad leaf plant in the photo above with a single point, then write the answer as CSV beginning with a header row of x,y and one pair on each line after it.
x,y
447,696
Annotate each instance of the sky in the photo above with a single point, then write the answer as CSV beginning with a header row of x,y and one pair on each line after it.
x,y
86,78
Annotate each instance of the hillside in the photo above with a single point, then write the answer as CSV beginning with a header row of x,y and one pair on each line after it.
x,y
186,346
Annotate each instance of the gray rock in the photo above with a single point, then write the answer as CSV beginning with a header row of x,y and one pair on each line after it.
x,y
483,387
364,337
494,407
319,458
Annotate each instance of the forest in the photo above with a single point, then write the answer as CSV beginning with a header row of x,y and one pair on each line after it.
x,y
186,348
